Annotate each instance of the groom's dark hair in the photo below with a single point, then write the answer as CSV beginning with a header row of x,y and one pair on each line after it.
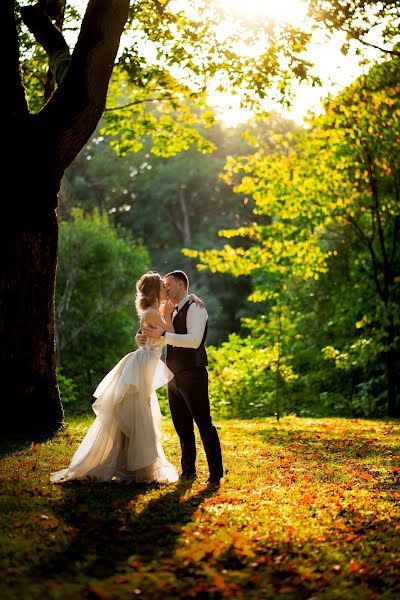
x,y
179,275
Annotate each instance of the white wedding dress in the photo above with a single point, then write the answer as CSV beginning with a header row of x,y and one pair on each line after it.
x,y
124,441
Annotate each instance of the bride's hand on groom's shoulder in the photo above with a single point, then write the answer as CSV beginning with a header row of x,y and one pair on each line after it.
x,y
197,300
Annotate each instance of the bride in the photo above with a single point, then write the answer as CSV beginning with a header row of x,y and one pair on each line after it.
x,y
124,441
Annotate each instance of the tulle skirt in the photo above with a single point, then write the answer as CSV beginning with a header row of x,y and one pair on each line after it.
x,y
124,441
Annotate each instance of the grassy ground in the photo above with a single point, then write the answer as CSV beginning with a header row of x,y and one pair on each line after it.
x,y
307,510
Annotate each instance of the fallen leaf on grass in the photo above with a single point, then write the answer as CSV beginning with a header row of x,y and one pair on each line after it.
x,y
306,498
365,476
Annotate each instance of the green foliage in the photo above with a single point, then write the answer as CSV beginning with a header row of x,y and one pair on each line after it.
x,y
173,56
244,378
162,81
96,318
68,391
326,199
162,395
357,19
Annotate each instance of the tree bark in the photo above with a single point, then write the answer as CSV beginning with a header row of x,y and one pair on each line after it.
x,y
391,376
27,353
392,368
184,226
29,249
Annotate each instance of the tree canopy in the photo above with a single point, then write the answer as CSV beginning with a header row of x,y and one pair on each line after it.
x,y
328,190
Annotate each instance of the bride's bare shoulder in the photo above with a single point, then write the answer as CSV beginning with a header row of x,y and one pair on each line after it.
x,y
149,311
151,316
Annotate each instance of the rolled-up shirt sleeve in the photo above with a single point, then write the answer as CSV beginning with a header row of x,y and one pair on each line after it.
x,y
195,324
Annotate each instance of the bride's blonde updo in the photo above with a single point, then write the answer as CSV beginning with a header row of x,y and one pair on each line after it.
x,y
147,291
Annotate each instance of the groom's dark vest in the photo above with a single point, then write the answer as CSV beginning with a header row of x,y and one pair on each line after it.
x,y
180,359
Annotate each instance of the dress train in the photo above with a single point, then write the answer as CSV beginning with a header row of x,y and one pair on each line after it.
x,y
124,441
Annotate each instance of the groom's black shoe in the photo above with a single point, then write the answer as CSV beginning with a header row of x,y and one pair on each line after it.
x,y
187,476
214,481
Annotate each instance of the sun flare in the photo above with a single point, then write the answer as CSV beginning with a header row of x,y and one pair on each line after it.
x,y
281,11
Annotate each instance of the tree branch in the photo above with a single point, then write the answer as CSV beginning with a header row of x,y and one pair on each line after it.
x,y
185,217
159,99
368,242
12,98
76,107
377,215
391,52
161,6
396,229
49,36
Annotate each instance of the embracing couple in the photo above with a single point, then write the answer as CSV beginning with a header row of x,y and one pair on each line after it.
x,y
124,441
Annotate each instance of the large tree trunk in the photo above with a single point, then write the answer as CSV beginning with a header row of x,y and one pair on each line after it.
x,y
27,351
38,150
28,246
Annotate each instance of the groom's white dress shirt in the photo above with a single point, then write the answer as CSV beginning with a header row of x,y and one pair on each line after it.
x,y
196,320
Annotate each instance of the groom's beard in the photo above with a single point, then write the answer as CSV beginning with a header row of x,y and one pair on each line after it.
x,y
173,298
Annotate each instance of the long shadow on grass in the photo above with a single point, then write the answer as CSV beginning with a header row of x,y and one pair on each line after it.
x,y
106,529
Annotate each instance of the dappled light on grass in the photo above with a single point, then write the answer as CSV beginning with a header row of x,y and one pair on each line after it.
x,y
308,507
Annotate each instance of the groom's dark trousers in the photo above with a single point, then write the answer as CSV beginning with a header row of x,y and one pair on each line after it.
x,y
189,403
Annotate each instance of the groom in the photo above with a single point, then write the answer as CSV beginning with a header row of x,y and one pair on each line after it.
x,y
188,390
